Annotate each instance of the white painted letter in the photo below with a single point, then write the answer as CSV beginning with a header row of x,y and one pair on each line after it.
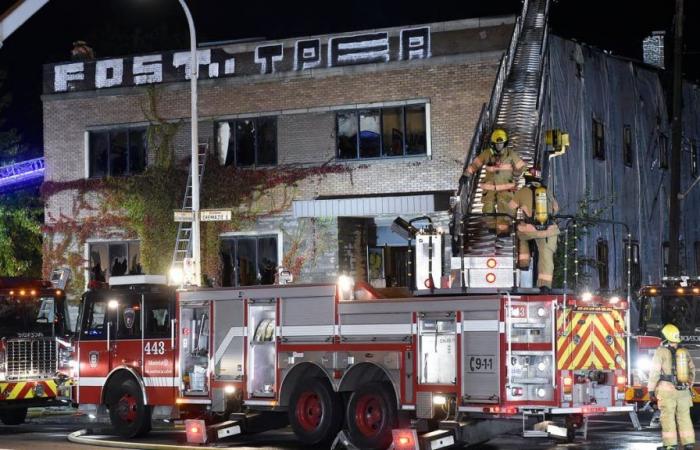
x,y
65,73
109,72
148,69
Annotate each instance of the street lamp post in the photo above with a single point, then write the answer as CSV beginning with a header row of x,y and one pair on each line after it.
x,y
194,74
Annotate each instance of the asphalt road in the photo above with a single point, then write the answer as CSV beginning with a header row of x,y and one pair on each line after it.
x,y
50,433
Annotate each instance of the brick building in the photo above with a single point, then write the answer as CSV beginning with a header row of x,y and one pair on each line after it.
x,y
392,111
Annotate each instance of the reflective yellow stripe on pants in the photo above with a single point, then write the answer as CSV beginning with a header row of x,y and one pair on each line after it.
x,y
675,414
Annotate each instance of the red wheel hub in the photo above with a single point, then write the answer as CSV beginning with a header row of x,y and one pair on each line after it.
x,y
309,411
126,408
369,415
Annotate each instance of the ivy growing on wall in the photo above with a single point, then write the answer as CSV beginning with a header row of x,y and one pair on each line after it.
x,y
141,206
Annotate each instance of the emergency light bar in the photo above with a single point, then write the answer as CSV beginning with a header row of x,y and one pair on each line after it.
x,y
16,175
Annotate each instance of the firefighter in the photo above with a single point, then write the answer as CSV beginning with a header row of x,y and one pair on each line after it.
x,y
503,167
538,205
672,372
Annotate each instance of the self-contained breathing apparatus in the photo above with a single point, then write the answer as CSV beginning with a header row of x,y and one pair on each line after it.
x,y
679,375
541,219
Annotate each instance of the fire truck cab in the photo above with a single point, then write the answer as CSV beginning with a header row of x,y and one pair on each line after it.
x,y
35,347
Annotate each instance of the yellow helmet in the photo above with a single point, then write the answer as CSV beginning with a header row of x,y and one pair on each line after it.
x,y
499,135
671,333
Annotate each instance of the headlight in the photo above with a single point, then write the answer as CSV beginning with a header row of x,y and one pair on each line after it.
x,y
644,363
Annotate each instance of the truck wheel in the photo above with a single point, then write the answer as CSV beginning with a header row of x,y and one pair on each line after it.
x,y
14,416
371,415
315,412
129,415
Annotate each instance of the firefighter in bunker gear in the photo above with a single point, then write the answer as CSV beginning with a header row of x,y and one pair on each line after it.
x,y
538,205
672,372
503,166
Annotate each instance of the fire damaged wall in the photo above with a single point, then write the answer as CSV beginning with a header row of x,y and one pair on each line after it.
x,y
616,114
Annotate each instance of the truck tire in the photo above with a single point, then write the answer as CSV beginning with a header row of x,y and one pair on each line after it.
x,y
129,416
371,415
315,412
14,416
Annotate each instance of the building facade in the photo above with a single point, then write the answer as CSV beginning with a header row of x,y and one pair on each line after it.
x,y
316,144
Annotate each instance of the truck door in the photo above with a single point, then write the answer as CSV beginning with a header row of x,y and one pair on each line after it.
x,y
159,348
96,335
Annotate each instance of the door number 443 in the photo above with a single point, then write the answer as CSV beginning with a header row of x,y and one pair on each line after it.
x,y
154,348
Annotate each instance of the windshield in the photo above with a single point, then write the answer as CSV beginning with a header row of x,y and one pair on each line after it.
x,y
30,316
682,311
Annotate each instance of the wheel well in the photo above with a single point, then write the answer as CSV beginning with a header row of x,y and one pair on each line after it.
x,y
117,376
364,373
297,374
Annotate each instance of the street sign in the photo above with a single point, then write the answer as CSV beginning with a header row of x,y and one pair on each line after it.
x,y
215,215
183,216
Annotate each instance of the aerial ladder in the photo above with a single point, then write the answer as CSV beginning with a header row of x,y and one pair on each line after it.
x,y
515,105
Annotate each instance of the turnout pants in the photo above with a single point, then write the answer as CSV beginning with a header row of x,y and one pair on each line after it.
x,y
675,414
546,247
497,201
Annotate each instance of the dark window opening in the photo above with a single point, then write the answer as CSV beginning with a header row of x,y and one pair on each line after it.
x,y
248,142
694,158
117,152
248,260
381,132
627,145
696,250
114,259
665,247
602,255
635,265
663,151
598,140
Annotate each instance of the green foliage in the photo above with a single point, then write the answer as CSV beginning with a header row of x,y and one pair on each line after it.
x,y
589,211
20,238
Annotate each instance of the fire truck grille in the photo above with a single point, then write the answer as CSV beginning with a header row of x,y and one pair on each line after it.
x,y
31,358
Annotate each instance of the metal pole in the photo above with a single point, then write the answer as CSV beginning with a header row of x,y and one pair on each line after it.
x,y
674,215
194,74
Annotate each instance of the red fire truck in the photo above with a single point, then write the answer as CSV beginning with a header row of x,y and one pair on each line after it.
x,y
420,371
35,348
675,300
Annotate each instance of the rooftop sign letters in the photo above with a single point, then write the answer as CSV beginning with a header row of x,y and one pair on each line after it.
x,y
265,59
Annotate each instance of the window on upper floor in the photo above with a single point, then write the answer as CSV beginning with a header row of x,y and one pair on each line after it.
x,y
248,260
381,132
694,158
598,140
627,149
602,257
247,142
117,152
663,151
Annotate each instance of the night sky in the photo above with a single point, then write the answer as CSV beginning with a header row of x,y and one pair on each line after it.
x,y
122,27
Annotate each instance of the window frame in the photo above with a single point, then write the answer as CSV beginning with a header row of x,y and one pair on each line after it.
x,y
693,158
380,109
627,146
635,263
128,158
603,263
598,142
235,269
233,141
663,151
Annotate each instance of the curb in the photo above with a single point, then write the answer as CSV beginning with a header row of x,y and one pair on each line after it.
x,y
80,437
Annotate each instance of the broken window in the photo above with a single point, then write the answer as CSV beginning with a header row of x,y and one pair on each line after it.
x,y
247,142
627,145
117,153
248,260
598,140
383,132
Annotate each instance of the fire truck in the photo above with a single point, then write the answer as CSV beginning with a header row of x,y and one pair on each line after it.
x,y
674,300
370,367
35,348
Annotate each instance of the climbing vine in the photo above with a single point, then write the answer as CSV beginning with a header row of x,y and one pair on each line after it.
x,y
141,206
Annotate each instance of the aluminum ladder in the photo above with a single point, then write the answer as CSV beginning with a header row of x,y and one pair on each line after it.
x,y
183,241
515,106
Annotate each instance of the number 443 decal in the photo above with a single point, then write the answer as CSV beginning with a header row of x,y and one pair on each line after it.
x,y
154,348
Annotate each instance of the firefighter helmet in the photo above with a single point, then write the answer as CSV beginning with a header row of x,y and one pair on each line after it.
x,y
499,136
671,333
